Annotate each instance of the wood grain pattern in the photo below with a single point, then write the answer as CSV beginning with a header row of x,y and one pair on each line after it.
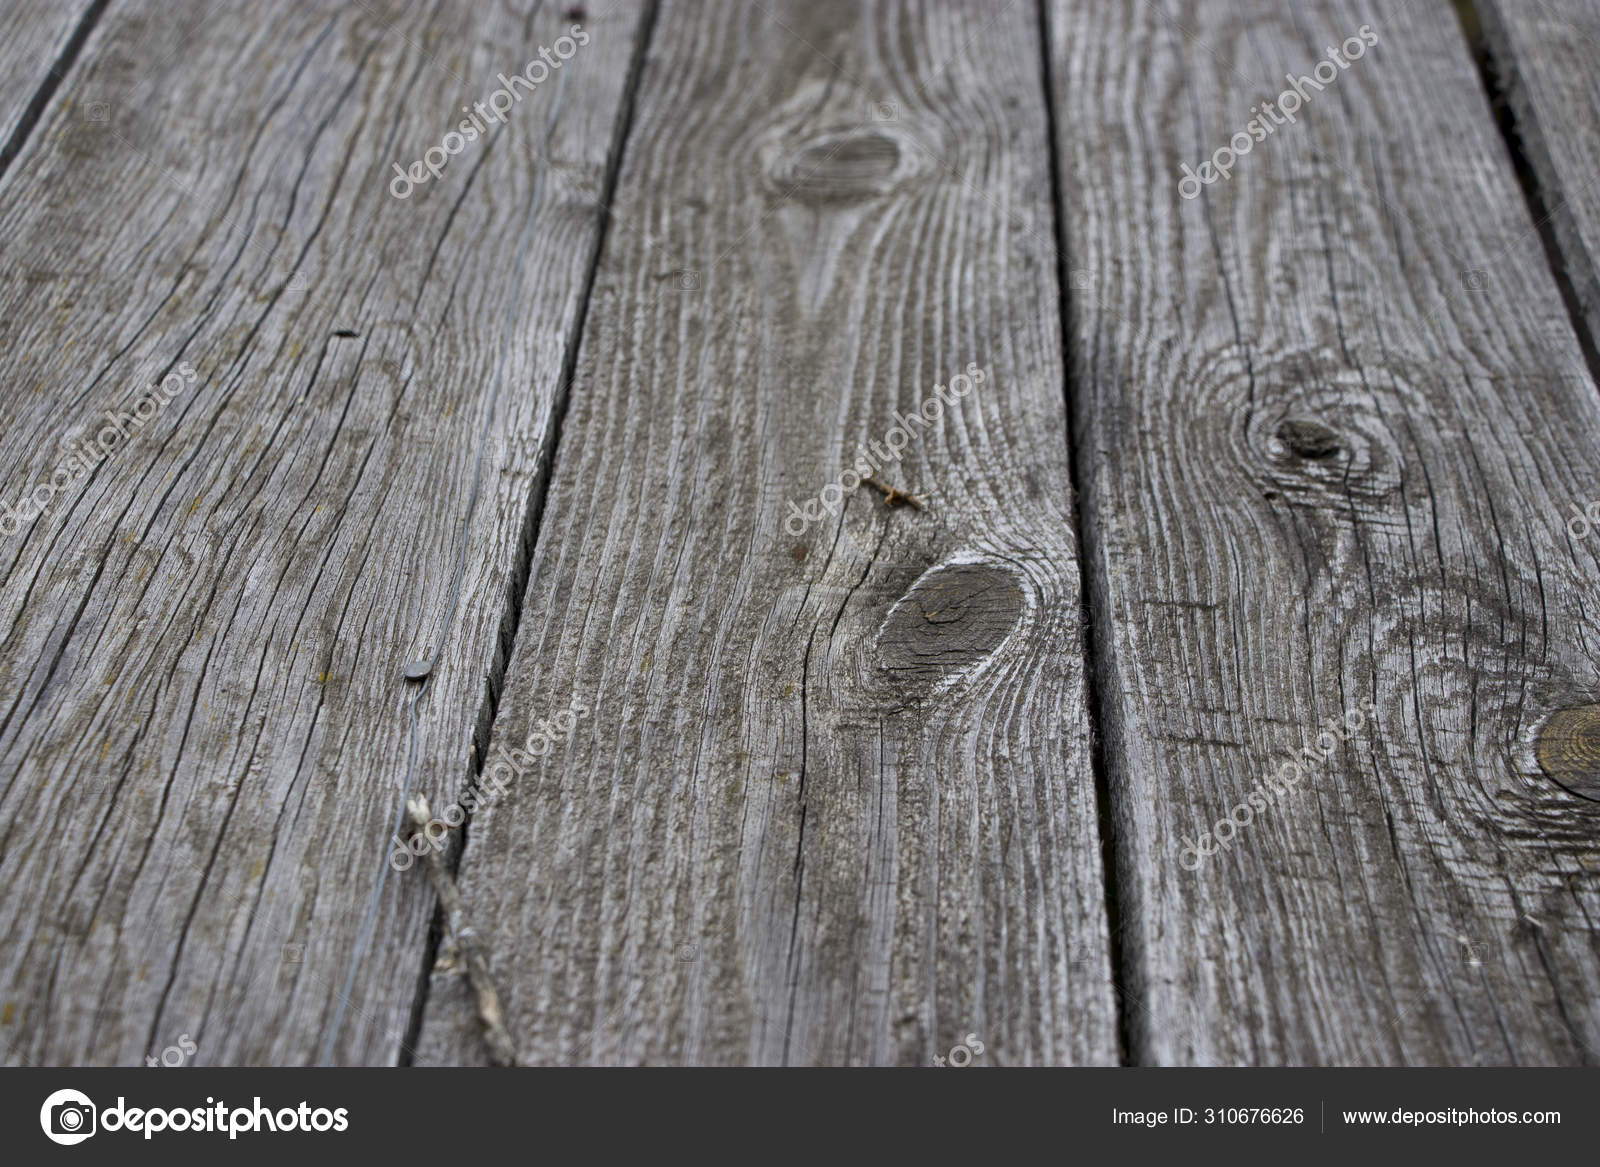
x,y
826,796
1322,467
203,721
36,39
1544,56
834,803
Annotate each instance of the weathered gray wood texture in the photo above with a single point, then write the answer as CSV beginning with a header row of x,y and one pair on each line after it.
x,y
834,803
1545,55
203,723
832,797
36,37
1321,468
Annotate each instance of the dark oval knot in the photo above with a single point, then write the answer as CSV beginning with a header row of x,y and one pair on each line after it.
x,y
839,166
953,617
1308,437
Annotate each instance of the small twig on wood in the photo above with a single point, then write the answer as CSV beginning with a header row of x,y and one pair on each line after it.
x,y
892,496
455,915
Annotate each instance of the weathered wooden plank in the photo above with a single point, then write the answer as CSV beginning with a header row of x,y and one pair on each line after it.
x,y
204,728
1544,57
37,39
1321,467
833,801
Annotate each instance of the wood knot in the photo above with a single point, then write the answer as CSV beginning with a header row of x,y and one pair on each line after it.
x,y
1308,437
1568,749
837,166
1324,449
953,617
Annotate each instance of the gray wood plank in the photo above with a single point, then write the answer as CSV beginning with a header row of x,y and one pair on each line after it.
x,y
1322,467
36,39
1544,54
833,803
204,726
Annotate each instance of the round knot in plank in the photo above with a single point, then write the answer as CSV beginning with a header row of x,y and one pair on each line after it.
x,y
1568,748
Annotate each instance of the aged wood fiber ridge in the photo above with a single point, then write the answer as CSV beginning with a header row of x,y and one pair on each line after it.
x,y
835,803
202,731
38,38
1429,895
1544,56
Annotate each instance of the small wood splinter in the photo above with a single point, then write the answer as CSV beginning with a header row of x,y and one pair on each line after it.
x,y
892,496
501,1051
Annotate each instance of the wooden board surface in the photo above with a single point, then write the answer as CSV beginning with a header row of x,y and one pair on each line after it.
x,y
1327,464
38,41
883,784
204,728
834,802
1544,56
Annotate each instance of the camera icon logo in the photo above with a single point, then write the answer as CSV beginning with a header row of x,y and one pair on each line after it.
x,y
68,1117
